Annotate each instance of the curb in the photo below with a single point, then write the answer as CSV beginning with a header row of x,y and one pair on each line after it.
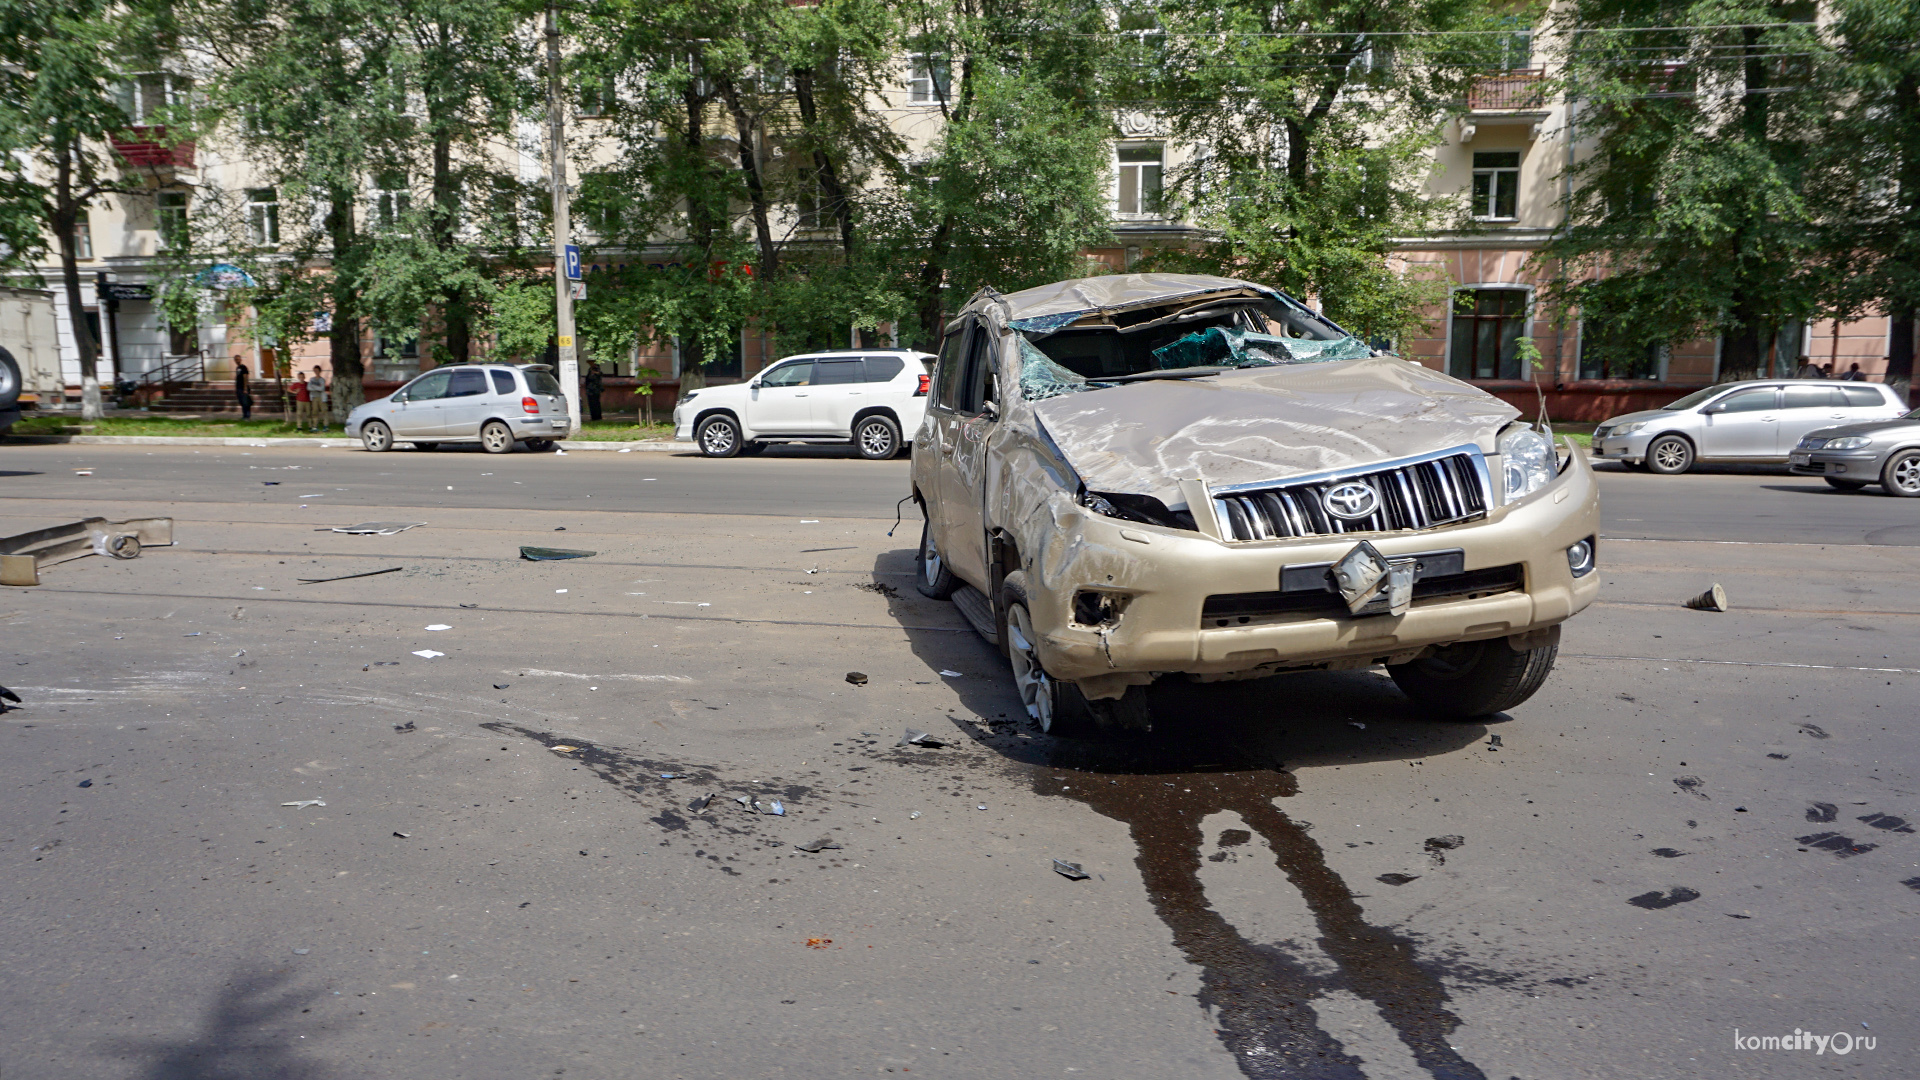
x,y
654,446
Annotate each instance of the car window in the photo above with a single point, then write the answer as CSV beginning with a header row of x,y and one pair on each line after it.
x,y
1695,398
467,382
1815,397
1863,397
979,384
542,382
952,366
883,368
1762,400
794,373
838,372
502,381
429,387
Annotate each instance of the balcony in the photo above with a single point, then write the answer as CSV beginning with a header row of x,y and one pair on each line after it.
x,y
148,147
1520,90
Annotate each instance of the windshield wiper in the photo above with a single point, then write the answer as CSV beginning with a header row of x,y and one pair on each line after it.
x,y
1167,373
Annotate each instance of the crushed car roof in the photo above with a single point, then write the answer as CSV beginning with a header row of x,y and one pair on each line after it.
x,y
1064,301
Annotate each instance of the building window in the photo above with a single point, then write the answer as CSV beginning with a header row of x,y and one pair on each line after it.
x,y
170,215
1139,179
386,348
1515,49
391,199
83,235
263,217
1610,350
147,98
929,78
1496,185
1485,340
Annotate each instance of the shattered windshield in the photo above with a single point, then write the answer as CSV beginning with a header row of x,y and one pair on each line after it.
x,y
1208,334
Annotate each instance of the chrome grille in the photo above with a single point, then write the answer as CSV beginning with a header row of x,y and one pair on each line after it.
x,y
1419,493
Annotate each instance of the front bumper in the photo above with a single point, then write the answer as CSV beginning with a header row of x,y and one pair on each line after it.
x,y
1162,587
1862,465
1623,447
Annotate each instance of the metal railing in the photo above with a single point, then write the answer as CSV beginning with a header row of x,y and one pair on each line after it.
x,y
180,371
1522,88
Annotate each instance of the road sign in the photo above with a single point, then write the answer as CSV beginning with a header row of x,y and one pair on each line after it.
x,y
573,262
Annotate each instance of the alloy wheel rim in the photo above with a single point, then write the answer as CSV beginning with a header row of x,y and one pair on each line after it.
x,y
1670,455
1028,677
495,438
929,561
719,437
377,437
1906,474
875,439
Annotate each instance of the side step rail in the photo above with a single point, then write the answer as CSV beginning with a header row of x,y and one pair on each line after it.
x,y
973,604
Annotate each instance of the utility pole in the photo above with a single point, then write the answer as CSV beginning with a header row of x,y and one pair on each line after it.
x,y
569,373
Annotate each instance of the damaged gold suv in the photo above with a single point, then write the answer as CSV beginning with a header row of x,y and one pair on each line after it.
x,y
1143,475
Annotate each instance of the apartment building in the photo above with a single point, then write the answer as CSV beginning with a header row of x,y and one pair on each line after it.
x,y
1504,157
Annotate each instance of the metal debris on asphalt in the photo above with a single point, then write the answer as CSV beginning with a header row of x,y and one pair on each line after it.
x,y
776,808
501,685
563,749
1438,845
1397,879
374,528
7,695
919,738
408,726
700,803
857,678
404,836
951,674
815,846
547,554
304,803
84,783
1714,599
1069,870
427,654
350,577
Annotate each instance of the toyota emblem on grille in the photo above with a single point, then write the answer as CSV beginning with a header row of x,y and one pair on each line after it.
x,y
1351,501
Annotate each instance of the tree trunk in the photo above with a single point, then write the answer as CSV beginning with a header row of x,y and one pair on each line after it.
x,y
455,313
932,295
343,342
830,185
756,191
65,219
1900,342
1743,348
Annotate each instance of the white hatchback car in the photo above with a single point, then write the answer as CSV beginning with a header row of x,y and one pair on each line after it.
x,y
498,406
874,398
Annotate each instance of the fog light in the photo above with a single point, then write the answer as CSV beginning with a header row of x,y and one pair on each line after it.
x,y
1839,468
1580,558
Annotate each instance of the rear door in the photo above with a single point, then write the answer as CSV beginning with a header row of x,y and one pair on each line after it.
x,y
963,465
839,390
1810,408
418,416
1744,424
469,401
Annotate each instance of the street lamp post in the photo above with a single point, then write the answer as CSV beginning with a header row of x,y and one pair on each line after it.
x,y
569,373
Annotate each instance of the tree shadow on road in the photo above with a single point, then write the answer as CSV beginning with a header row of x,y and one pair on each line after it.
x,y
252,1030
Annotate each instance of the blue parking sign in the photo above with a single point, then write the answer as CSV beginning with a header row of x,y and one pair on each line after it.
x,y
573,262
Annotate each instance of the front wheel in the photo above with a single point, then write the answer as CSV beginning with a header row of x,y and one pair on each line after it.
x,y
1474,678
877,438
1669,455
718,436
496,437
931,575
376,437
1056,706
1844,485
1901,474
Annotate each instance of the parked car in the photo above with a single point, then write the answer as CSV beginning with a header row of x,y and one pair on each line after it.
x,y
1142,475
874,398
1884,452
498,406
1760,420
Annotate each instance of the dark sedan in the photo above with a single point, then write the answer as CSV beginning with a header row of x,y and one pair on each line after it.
x,y
1851,456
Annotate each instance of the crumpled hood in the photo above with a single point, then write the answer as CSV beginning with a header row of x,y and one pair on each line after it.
x,y
1260,424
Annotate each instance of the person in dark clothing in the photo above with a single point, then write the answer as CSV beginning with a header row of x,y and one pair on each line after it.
x,y
593,389
1854,374
242,389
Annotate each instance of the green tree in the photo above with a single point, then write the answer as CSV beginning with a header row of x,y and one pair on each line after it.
x,y
1689,217
1312,127
63,65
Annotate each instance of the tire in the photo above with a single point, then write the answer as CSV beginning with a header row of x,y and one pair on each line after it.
x,y
753,449
429,446
376,436
931,575
1058,707
1669,455
496,437
1901,474
1838,484
877,438
9,380
1474,678
718,436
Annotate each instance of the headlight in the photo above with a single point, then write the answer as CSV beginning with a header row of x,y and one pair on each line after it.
x,y
1626,429
1527,458
689,395
1849,442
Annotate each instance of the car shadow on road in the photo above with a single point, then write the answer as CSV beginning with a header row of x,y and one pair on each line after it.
x,y
253,1028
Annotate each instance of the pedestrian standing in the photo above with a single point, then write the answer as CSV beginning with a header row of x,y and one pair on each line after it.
x,y
302,414
594,386
242,388
317,399
1854,374
1808,369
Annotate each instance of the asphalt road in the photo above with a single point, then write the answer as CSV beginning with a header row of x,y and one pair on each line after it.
x,y
1698,826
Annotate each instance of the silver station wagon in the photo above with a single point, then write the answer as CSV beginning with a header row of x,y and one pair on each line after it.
x,y
1756,421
